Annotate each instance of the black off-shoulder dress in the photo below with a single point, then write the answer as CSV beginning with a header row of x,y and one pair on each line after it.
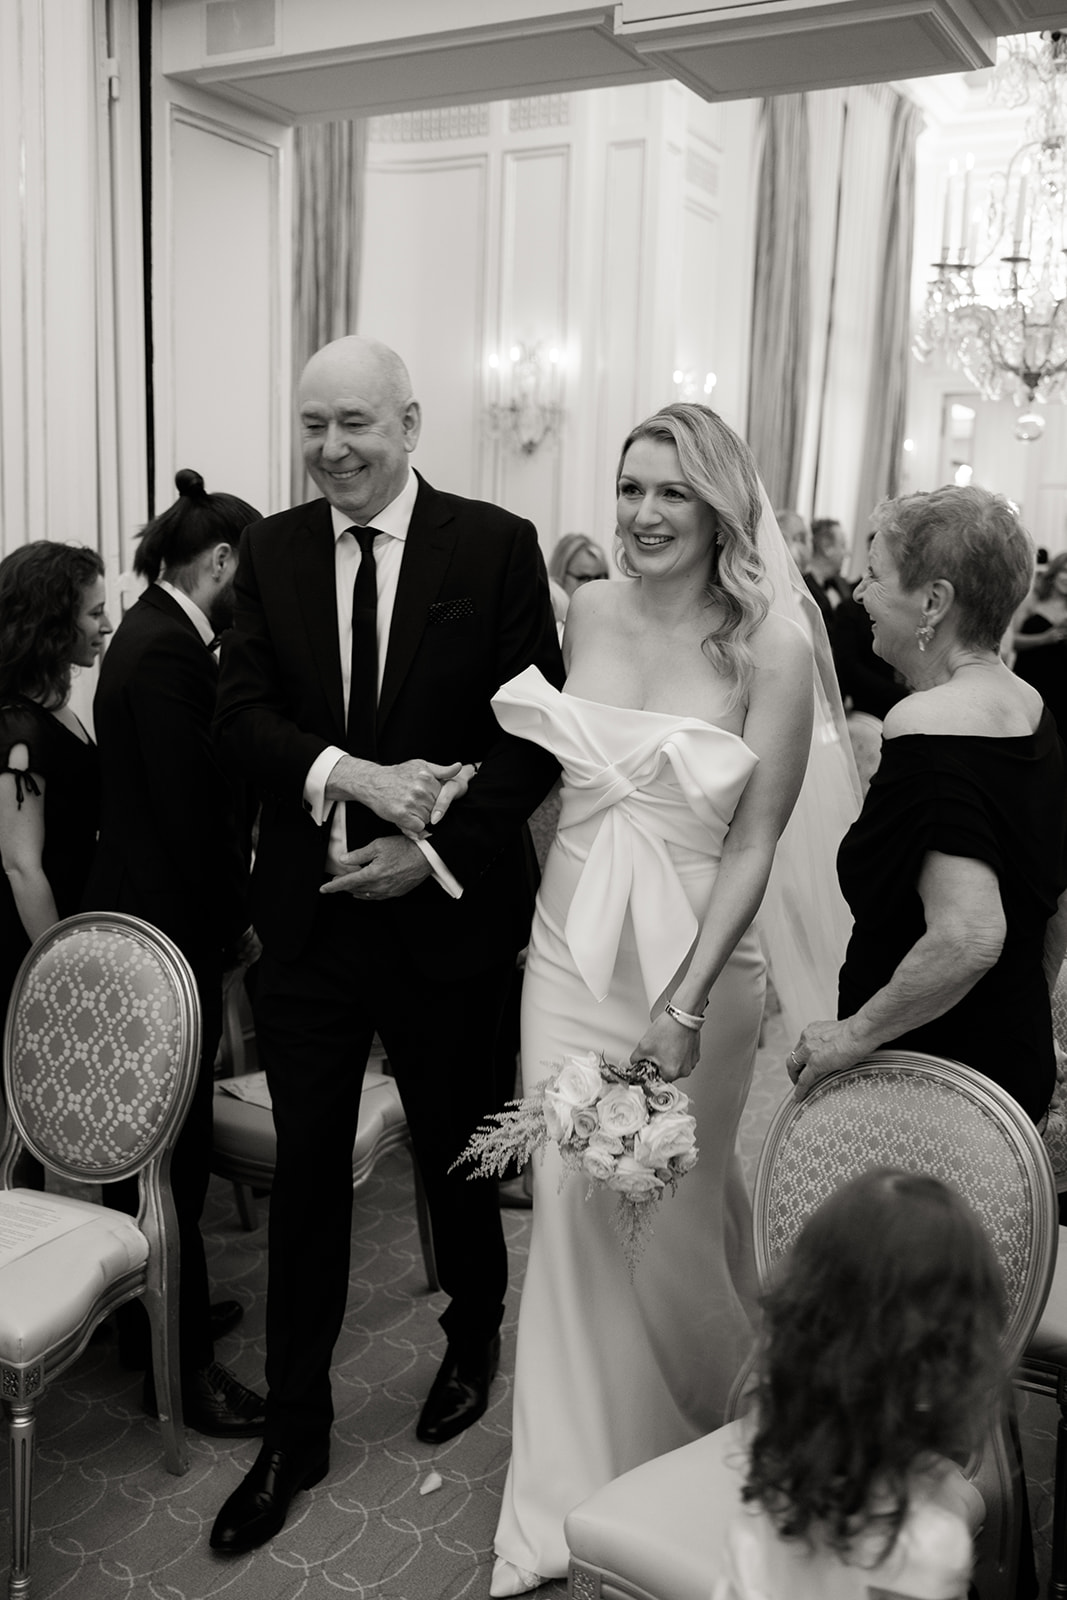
x,y
70,768
1001,801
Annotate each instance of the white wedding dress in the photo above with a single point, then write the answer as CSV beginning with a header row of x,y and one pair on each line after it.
x,y
609,1372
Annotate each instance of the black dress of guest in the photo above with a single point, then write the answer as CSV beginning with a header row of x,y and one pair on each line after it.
x,y
1001,801
70,768
1046,669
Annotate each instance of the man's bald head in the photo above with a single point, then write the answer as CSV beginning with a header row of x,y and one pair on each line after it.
x,y
359,424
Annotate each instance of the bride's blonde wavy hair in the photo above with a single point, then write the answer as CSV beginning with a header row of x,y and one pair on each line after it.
x,y
720,469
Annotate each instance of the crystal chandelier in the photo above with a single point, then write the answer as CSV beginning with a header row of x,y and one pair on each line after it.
x,y
995,307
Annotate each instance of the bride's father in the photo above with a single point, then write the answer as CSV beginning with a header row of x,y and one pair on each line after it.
x,y
372,627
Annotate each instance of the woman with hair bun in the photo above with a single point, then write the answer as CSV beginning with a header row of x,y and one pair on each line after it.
x,y
880,1369
52,619
172,851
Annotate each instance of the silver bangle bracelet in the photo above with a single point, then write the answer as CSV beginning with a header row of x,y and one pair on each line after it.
x,y
686,1018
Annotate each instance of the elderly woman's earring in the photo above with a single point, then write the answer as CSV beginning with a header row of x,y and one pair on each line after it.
x,y
924,633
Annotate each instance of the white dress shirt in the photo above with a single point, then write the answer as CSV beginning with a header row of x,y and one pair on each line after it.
x,y
391,530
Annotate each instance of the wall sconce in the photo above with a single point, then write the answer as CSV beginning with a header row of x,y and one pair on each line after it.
x,y
688,385
525,409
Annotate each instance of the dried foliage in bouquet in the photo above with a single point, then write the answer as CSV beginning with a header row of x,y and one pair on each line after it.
x,y
621,1127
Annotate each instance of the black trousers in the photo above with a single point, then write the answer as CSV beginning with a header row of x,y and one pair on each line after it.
x,y
315,1019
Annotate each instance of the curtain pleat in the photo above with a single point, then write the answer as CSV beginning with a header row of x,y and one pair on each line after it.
x,y
329,172
887,393
781,320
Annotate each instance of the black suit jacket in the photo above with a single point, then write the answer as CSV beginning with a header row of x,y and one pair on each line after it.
x,y
472,609
169,847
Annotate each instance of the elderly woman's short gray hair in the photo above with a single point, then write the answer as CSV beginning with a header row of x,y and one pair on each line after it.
x,y
973,539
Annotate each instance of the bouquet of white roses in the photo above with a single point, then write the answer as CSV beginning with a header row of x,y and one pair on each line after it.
x,y
621,1127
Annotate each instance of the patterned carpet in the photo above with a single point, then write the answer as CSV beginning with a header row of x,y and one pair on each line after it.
x,y
110,1522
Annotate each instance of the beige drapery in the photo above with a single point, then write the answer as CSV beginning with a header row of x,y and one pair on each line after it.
x,y
781,303
329,167
887,395
830,316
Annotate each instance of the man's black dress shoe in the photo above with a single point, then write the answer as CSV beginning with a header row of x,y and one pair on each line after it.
x,y
215,1402
224,1316
460,1392
257,1508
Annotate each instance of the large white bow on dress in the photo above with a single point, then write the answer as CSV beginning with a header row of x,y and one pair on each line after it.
x,y
614,760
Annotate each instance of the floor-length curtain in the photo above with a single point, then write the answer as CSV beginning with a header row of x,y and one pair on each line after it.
x,y
330,161
887,395
781,303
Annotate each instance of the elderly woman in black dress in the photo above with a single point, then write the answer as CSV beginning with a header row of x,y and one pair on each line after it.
x,y
52,619
955,867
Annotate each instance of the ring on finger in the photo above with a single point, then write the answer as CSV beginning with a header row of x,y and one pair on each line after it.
x,y
793,1058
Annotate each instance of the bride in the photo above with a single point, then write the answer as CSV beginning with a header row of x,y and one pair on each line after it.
x,y
683,733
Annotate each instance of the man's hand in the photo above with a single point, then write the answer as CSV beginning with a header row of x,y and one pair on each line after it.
x,y
385,869
404,795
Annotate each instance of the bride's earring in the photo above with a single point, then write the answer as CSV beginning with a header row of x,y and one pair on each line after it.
x,y
924,633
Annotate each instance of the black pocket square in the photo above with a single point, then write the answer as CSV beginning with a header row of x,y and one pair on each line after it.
x,y
449,611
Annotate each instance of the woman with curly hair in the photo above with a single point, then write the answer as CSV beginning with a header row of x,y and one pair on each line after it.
x,y
880,1368
52,619
684,734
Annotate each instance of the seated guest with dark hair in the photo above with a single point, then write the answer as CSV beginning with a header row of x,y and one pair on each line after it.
x,y
52,619
880,1367
956,865
170,851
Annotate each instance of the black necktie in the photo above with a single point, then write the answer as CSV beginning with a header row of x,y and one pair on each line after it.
x,y
363,681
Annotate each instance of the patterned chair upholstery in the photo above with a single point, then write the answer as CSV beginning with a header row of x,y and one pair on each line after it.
x,y
101,1047
1054,1132
640,1538
245,1150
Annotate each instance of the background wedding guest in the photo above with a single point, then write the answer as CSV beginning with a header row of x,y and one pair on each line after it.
x,y
956,865
1040,640
797,535
880,1366
52,619
371,629
171,852
823,574
577,559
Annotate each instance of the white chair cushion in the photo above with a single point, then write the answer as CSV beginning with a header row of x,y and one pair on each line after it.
x,y
50,1281
244,1129
663,1525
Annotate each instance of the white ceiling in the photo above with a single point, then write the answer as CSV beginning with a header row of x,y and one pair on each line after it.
x,y
302,60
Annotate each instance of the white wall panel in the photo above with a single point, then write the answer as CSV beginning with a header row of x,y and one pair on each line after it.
x,y
533,307
620,345
422,291
223,333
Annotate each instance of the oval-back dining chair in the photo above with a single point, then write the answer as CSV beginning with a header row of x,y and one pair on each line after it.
x,y
101,1048
657,1533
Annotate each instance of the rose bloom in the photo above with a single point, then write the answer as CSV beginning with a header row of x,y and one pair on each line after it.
x,y
622,1110
598,1163
584,1122
576,1085
635,1181
684,1163
667,1097
672,1134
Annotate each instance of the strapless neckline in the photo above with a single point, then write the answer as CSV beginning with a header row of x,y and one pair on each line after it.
x,y
679,719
